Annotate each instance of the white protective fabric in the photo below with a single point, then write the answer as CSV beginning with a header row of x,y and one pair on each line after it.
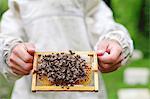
x,y
57,25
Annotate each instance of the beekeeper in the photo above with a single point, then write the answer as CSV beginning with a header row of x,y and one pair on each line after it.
x,y
59,25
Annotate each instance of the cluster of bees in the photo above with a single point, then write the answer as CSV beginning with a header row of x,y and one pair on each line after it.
x,y
64,69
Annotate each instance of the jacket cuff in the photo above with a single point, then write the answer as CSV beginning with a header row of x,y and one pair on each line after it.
x,y
10,75
122,38
7,49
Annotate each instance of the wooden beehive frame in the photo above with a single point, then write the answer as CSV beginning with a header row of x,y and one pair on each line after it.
x,y
93,88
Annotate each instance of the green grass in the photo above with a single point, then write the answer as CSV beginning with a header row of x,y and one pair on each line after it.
x,y
114,80
3,7
127,14
5,88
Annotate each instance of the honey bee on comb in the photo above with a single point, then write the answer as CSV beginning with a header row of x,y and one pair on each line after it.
x,y
64,69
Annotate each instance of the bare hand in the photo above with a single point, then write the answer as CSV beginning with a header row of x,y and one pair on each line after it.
x,y
109,55
21,58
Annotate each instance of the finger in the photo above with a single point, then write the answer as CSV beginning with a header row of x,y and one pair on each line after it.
x,y
116,66
106,66
115,52
119,60
108,70
18,72
110,58
103,46
23,54
111,69
21,63
30,48
18,68
100,52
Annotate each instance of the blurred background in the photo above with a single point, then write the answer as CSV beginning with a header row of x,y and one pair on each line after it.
x,y
132,80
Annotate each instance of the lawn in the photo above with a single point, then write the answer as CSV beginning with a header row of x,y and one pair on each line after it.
x,y
114,81
5,88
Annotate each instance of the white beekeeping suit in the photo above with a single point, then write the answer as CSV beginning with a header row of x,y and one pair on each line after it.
x,y
57,25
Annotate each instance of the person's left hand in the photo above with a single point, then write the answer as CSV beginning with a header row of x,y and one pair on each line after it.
x,y
109,56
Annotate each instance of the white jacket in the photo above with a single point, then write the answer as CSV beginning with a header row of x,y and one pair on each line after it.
x,y
57,25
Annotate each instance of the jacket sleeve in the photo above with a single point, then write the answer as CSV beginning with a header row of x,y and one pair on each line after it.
x,y
11,33
103,27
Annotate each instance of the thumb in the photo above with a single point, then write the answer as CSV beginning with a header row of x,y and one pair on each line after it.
x,y
102,48
30,48
100,52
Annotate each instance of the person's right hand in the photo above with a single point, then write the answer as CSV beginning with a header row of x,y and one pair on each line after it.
x,y
21,58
